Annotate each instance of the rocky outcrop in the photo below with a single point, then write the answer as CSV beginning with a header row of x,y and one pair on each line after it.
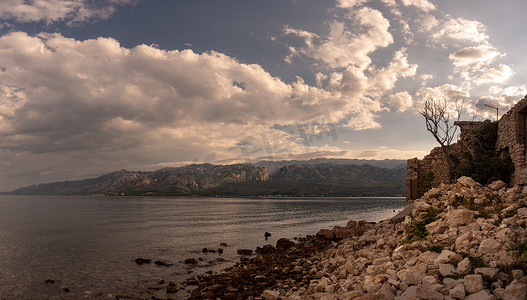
x,y
460,241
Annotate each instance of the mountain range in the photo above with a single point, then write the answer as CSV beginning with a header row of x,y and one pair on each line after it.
x,y
317,177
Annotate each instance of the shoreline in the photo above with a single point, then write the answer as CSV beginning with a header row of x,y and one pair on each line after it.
x,y
460,241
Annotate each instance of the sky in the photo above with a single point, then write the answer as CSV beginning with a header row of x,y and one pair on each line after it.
x,y
89,86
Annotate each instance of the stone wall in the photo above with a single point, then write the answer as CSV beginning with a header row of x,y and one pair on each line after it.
x,y
512,142
512,138
432,170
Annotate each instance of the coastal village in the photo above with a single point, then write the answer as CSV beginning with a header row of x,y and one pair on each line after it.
x,y
459,240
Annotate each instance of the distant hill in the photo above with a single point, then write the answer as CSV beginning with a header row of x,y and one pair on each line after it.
x,y
306,178
273,166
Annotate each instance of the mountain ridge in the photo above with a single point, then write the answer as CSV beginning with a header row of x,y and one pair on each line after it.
x,y
322,177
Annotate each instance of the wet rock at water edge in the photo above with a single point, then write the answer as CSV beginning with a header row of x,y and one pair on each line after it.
x,y
245,251
191,261
67,290
141,261
223,244
267,235
220,250
162,263
49,281
267,249
284,244
206,250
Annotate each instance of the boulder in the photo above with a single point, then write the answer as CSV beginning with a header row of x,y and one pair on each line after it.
x,y
489,272
489,245
340,232
408,294
421,205
270,295
458,292
522,212
482,295
446,270
467,182
384,292
284,244
473,283
444,257
191,261
163,263
436,227
410,276
425,292
497,185
459,217
515,291
325,233
141,261
245,251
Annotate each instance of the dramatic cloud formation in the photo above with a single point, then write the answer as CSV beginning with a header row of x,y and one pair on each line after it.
x,y
78,105
60,93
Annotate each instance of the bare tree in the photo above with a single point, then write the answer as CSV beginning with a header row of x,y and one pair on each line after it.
x,y
439,121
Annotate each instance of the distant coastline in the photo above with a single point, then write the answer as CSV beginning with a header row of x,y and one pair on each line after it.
x,y
313,178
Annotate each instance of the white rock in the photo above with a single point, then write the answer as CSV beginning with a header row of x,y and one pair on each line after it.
x,y
522,211
482,295
463,241
515,291
270,295
436,227
421,205
457,292
497,185
446,269
444,257
409,293
467,181
384,292
518,274
490,272
460,217
425,292
410,276
473,283
430,280
489,246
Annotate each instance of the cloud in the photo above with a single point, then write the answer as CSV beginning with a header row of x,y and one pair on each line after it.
x,y
349,3
472,55
424,5
503,98
62,93
72,11
494,74
401,101
427,22
448,92
343,46
460,29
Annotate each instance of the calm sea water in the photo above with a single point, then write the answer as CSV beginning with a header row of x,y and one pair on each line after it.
x,y
88,244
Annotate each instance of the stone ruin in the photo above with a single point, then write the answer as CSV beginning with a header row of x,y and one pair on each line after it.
x,y
432,170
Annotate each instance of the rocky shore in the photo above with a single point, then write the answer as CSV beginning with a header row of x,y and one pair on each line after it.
x,y
459,241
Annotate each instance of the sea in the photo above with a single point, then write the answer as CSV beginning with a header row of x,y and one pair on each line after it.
x,y
84,247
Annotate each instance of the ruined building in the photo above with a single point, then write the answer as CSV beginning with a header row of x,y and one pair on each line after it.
x,y
432,170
